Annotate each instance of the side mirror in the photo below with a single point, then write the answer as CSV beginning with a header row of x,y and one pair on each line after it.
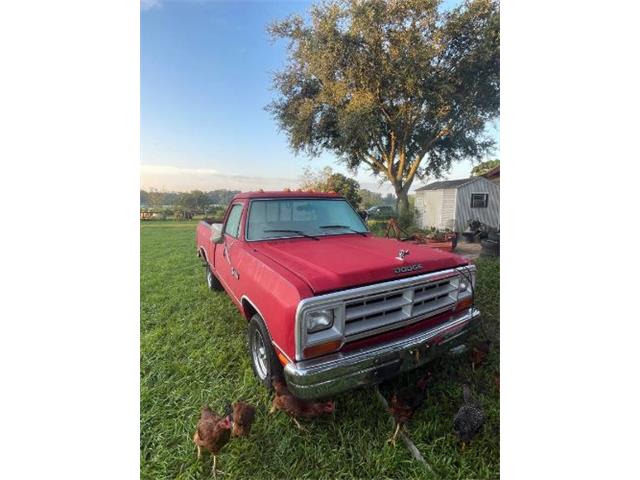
x,y
216,232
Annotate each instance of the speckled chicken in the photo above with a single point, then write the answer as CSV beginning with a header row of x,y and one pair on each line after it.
x,y
469,419
479,353
213,432
243,416
405,402
295,407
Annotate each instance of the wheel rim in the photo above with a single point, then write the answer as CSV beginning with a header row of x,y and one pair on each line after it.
x,y
259,354
209,279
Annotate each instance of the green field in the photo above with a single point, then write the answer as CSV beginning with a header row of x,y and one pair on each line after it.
x,y
193,351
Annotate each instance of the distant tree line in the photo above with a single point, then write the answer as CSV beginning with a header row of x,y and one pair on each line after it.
x,y
371,199
215,201
196,200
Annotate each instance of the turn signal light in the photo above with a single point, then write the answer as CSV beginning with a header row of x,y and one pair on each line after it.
x,y
323,348
283,360
464,303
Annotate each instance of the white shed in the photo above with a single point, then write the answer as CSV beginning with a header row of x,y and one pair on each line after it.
x,y
453,203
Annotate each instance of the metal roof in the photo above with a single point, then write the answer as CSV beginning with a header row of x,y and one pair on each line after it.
x,y
447,184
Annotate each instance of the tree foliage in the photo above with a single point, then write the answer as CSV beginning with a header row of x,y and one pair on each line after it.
x,y
326,180
484,167
370,199
401,87
195,200
156,199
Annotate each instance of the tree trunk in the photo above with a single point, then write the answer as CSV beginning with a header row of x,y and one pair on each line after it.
x,y
402,202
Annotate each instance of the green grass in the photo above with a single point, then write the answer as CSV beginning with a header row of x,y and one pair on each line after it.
x,y
193,352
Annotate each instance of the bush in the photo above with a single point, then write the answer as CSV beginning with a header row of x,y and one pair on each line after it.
x,y
408,219
377,227
216,212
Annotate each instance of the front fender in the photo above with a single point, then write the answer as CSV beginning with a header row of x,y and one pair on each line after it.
x,y
274,292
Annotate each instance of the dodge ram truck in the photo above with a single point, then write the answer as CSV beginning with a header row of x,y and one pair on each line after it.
x,y
329,305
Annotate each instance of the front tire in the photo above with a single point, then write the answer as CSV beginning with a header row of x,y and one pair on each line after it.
x,y
264,362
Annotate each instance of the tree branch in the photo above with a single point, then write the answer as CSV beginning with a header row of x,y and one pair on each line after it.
x,y
374,162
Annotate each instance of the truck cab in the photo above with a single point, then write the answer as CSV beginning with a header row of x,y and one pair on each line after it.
x,y
330,306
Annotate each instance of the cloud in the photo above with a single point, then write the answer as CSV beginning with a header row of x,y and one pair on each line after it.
x,y
180,179
149,4
170,178
169,170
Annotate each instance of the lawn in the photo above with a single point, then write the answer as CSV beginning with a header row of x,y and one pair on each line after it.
x,y
193,351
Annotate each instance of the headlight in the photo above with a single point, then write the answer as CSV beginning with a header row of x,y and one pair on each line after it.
x,y
319,320
467,281
319,329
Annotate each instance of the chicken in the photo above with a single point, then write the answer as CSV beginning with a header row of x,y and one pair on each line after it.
x,y
405,402
243,416
469,419
213,432
295,407
479,353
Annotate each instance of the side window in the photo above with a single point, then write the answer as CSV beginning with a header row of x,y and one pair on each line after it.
x,y
479,200
232,227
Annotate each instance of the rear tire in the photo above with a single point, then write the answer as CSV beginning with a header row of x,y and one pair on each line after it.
x,y
212,282
264,362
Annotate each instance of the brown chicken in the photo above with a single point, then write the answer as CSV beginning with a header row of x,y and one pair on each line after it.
x,y
405,402
243,416
213,433
295,407
479,353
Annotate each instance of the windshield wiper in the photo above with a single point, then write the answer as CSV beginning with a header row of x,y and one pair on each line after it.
x,y
299,232
364,234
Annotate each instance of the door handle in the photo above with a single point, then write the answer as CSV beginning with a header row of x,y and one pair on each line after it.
x,y
235,274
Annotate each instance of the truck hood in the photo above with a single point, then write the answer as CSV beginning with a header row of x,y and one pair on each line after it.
x,y
346,261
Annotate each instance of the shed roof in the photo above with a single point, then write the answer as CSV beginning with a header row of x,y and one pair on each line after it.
x,y
447,184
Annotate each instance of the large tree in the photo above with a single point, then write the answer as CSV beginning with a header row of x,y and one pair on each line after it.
x,y
400,86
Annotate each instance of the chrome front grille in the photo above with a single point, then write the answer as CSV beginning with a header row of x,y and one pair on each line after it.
x,y
372,314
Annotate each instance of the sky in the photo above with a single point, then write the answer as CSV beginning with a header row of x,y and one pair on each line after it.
x,y
205,78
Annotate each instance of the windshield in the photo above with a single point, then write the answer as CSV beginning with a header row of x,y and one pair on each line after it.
x,y
302,217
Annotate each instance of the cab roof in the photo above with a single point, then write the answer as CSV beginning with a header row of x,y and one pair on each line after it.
x,y
287,194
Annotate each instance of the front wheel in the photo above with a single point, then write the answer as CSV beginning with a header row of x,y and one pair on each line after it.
x,y
264,361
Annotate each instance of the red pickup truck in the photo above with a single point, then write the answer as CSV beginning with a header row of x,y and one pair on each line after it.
x,y
330,306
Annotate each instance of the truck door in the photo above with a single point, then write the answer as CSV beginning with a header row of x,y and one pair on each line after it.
x,y
224,254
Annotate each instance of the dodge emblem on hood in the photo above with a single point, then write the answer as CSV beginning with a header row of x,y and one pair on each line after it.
x,y
402,254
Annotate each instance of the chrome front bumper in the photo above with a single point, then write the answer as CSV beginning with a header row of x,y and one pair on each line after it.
x,y
336,373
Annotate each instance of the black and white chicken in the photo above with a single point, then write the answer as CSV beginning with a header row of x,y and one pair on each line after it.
x,y
470,417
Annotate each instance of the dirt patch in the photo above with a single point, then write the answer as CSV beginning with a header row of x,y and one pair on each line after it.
x,y
468,250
